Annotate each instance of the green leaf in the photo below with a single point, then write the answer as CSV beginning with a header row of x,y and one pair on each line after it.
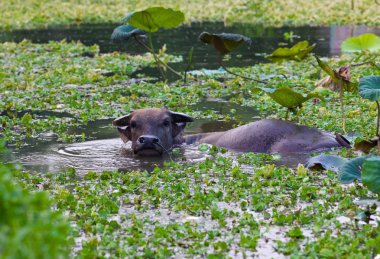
x,y
325,67
371,174
224,42
124,32
27,119
295,232
369,87
298,52
351,171
328,162
288,98
153,18
367,41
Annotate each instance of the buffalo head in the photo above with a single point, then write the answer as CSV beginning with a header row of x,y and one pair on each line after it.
x,y
152,131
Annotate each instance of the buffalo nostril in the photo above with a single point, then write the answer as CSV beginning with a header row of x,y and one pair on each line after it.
x,y
141,140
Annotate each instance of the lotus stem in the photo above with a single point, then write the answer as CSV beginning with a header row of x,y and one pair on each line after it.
x,y
157,59
365,63
232,73
342,105
378,119
155,56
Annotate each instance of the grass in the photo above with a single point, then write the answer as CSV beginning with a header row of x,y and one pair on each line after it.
x,y
18,14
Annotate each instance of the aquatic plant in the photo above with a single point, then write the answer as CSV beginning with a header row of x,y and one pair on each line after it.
x,y
189,63
365,169
297,52
225,43
364,42
369,88
342,79
288,98
149,21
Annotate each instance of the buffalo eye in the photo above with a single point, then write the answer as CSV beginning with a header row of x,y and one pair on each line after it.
x,y
133,124
166,123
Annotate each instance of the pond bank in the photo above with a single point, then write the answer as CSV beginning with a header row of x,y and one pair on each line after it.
x,y
39,14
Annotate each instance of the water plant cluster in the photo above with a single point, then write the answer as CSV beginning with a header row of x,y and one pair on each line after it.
x,y
222,206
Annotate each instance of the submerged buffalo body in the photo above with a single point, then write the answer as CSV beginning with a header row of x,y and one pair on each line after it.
x,y
155,131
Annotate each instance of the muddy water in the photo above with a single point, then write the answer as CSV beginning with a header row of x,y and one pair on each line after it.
x,y
107,152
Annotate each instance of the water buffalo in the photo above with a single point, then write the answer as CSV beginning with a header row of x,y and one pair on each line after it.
x,y
155,131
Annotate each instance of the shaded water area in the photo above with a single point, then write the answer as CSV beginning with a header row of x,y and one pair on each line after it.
x,y
179,40
107,152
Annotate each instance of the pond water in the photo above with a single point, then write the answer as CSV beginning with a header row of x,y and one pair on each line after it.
x,y
179,40
107,152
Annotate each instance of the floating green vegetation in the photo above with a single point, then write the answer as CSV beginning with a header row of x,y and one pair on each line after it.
x,y
212,208
37,13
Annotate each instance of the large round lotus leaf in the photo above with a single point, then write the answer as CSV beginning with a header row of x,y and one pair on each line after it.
x,y
288,98
298,52
367,41
369,87
328,162
371,174
351,171
224,42
124,32
151,19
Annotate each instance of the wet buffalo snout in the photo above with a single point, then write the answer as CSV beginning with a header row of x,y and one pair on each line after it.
x,y
148,139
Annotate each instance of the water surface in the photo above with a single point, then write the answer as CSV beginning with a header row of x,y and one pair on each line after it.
x,y
107,152
179,40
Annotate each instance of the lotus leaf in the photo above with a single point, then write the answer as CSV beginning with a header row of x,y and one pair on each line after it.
x,y
151,19
328,162
367,41
369,87
224,42
351,171
124,32
288,98
371,174
298,52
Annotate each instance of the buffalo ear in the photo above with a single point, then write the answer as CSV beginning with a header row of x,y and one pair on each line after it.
x,y
180,117
122,121
125,133
122,125
179,122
